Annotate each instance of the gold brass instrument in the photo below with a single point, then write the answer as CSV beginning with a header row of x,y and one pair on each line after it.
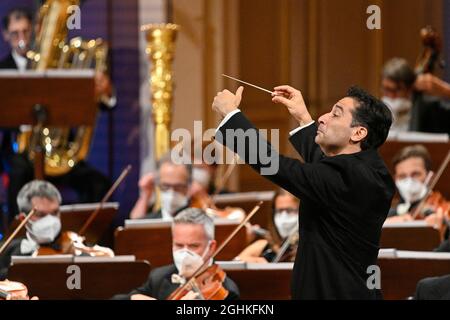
x,y
63,147
160,50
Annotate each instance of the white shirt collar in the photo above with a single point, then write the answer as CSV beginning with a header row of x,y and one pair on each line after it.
x,y
21,61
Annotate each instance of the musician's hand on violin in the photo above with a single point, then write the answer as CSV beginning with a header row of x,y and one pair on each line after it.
x,y
141,297
432,85
191,295
226,102
293,100
435,220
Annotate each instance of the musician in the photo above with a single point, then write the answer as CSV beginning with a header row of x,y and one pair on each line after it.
x,y
17,29
344,186
90,184
435,288
419,103
173,181
192,243
412,168
285,220
43,228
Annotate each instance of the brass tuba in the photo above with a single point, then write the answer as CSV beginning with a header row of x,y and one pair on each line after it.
x,y
63,148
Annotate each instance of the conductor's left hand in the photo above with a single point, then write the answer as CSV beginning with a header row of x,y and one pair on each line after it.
x,y
226,102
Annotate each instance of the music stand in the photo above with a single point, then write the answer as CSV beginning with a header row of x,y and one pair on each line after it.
x,y
52,98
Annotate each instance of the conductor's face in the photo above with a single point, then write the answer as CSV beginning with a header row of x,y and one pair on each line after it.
x,y
336,134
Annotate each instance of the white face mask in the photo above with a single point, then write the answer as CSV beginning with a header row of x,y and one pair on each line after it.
x,y
411,189
171,201
187,261
45,230
286,223
400,108
201,176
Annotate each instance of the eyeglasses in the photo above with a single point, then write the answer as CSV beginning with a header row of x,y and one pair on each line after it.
x,y
15,34
180,188
287,210
41,214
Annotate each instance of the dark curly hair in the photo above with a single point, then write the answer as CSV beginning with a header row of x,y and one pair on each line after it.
x,y
372,114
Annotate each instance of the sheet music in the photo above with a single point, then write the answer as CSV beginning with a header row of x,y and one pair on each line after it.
x,y
88,206
244,197
408,224
51,73
58,258
146,223
155,223
402,254
232,265
270,266
387,253
418,137
127,258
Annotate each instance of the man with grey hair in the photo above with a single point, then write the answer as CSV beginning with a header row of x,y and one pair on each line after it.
x,y
418,102
173,182
43,228
193,243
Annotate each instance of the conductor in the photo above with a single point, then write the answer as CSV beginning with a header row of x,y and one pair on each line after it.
x,y
344,186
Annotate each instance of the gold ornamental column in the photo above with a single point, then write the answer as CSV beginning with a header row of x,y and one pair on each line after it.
x,y
160,50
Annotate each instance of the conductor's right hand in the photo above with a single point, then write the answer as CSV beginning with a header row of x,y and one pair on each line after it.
x,y
293,100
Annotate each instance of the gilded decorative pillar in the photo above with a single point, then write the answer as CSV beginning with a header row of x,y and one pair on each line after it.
x,y
160,50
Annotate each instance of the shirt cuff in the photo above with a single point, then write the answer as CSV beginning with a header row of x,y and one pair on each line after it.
x,y
300,128
109,102
227,117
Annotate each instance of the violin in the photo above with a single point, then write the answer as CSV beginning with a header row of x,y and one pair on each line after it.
x,y
433,199
208,285
11,290
72,243
208,281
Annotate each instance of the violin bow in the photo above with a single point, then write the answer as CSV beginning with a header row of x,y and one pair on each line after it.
x,y
19,227
432,185
108,195
225,177
177,292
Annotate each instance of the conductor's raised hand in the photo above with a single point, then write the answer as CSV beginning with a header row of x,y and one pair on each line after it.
x,y
226,102
293,100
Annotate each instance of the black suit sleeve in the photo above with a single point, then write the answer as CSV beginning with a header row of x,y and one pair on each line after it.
x,y
304,143
146,289
443,247
233,290
317,181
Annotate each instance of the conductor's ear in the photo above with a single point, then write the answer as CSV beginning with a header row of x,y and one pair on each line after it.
x,y
359,134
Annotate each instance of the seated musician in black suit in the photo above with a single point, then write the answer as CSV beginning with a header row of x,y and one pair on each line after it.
x,y
193,243
419,103
435,288
89,183
43,228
